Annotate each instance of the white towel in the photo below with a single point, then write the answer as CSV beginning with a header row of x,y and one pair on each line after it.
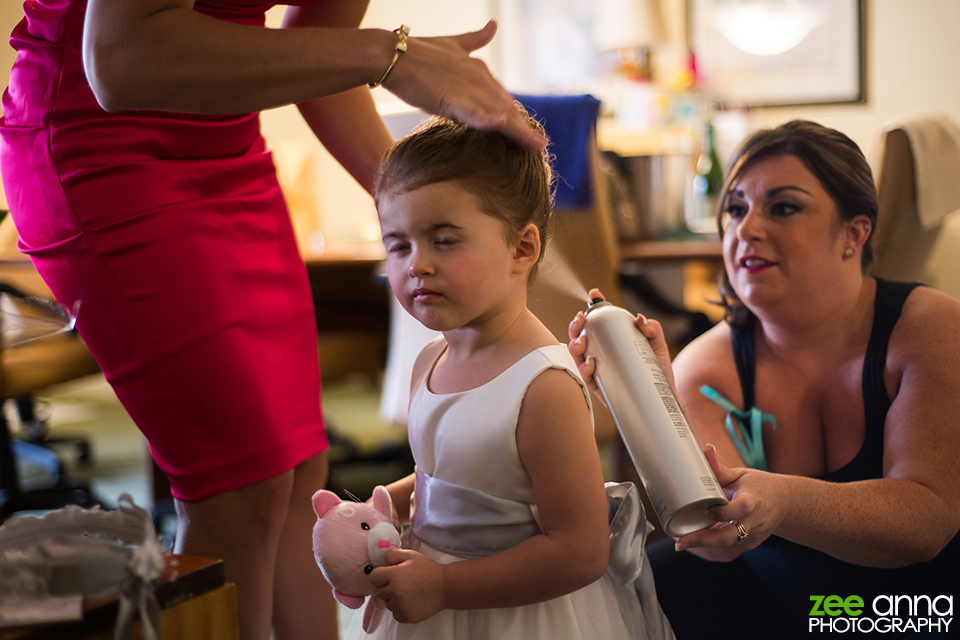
x,y
935,143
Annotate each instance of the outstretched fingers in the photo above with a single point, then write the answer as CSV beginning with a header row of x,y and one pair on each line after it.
x,y
498,111
474,40
438,75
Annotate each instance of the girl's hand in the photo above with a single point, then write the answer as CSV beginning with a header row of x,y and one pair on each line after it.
x,y
410,585
754,503
651,330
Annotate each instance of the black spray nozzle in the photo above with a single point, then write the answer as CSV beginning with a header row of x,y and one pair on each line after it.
x,y
594,302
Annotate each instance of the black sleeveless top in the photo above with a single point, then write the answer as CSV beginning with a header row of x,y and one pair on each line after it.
x,y
868,463
766,593
800,569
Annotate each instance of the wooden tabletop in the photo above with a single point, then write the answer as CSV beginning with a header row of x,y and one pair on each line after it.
x,y
699,248
344,253
19,268
671,250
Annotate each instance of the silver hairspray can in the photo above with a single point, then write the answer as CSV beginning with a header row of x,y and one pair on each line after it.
x,y
675,473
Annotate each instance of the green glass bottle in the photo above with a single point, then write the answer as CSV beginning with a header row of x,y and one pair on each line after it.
x,y
707,184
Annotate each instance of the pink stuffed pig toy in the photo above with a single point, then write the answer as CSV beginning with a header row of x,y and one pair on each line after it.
x,y
350,539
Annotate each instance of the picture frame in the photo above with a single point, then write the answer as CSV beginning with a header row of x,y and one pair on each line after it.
x,y
825,65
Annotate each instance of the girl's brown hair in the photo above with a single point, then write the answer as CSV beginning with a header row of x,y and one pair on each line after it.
x,y
513,183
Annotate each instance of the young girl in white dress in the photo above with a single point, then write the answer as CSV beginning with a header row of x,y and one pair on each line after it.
x,y
510,531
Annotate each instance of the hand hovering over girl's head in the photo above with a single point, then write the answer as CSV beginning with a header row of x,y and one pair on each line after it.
x,y
472,95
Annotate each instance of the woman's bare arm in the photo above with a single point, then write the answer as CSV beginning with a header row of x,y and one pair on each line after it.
x,y
914,510
162,55
346,123
907,516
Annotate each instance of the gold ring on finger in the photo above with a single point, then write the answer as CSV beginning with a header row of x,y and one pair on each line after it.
x,y
741,531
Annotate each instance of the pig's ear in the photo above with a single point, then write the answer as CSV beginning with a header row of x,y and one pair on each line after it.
x,y
323,501
382,501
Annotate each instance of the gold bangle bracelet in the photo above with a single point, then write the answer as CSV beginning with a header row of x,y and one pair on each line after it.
x,y
402,32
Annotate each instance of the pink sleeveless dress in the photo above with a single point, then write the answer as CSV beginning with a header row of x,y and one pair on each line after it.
x,y
172,234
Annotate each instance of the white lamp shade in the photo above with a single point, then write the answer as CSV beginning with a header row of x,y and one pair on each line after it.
x,y
767,27
626,24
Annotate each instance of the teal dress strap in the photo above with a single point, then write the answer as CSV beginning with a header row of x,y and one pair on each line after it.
x,y
749,443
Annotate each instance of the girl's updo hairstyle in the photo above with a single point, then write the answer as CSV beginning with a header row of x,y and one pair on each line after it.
x,y
513,183
828,154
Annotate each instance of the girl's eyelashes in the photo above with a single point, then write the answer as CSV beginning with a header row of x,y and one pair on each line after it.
x,y
396,247
402,243
403,247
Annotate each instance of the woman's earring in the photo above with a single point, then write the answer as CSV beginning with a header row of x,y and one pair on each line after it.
x,y
848,253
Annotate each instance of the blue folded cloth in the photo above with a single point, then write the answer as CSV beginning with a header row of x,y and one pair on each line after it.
x,y
568,121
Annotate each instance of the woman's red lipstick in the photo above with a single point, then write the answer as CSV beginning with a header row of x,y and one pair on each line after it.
x,y
753,264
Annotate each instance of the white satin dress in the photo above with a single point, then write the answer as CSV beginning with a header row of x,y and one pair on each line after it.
x,y
474,498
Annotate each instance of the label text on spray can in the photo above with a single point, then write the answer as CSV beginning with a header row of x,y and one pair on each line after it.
x,y
663,389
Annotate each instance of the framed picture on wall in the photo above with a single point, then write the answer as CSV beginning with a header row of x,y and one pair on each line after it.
x,y
765,53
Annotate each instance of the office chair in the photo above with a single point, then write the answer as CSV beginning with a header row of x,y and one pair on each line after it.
x,y
33,358
918,185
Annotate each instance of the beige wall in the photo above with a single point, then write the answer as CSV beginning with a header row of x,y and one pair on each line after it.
x,y
10,13
913,63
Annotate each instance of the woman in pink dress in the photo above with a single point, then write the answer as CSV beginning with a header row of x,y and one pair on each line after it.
x,y
142,190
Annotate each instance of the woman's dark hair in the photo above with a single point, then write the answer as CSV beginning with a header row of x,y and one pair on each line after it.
x,y
513,183
832,157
